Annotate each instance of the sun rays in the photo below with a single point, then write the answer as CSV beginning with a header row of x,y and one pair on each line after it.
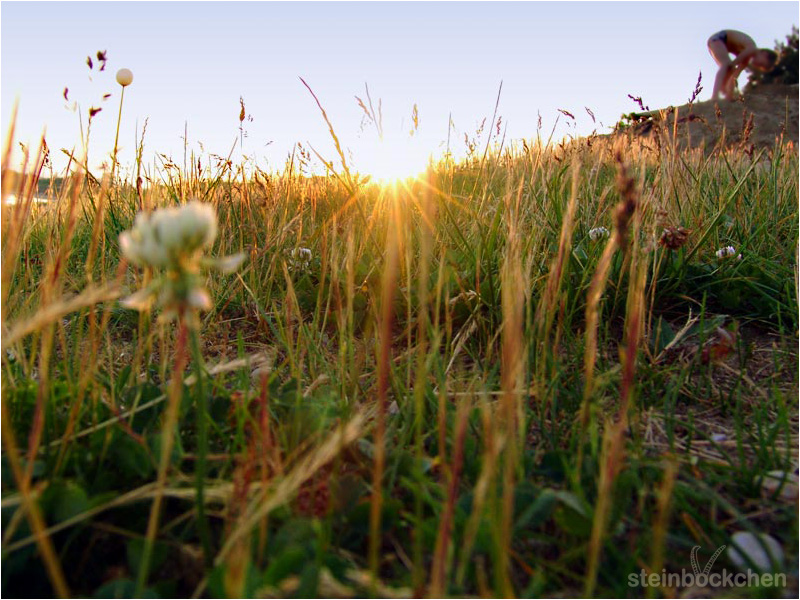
x,y
391,160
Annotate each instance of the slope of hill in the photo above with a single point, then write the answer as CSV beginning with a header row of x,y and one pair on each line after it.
x,y
755,119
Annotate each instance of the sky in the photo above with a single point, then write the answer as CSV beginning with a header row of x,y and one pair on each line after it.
x,y
193,61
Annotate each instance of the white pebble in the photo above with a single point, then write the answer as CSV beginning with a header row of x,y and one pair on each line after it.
x,y
786,482
752,547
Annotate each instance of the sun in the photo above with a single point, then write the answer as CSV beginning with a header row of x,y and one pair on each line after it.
x,y
389,161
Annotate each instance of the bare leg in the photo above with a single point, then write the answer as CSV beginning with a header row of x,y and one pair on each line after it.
x,y
730,88
720,54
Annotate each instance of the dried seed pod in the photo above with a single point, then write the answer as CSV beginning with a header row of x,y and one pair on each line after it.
x,y
674,237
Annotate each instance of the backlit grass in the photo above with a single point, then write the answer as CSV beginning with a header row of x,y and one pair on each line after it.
x,y
448,386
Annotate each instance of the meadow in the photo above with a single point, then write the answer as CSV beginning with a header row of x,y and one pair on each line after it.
x,y
532,372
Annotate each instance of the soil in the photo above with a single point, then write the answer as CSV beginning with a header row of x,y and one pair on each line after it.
x,y
756,119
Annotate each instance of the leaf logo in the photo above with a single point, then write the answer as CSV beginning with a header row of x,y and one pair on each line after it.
x,y
709,564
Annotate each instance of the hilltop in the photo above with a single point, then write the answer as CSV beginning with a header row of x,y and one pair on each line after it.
x,y
756,119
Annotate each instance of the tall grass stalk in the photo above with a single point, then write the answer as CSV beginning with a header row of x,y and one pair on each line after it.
x,y
116,135
201,408
32,511
426,241
613,454
388,289
513,357
168,428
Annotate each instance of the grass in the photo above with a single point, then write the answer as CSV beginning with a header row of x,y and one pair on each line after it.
x,y
460,392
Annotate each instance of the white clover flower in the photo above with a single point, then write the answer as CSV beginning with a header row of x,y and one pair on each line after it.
x,y
124,77
300,259
173,239
727,252
598,233
170,237
467,297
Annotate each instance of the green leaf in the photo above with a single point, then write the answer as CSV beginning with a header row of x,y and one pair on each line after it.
x,y
154,441
73,502
538,512
122,588
288,562
571,515
309,582
661,336
216,582
134,549
131,458
63,500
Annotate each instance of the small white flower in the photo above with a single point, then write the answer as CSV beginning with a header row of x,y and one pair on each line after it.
x,y
124,77
200,299
300,259
173,239
170,236
598,233
727,252
467,296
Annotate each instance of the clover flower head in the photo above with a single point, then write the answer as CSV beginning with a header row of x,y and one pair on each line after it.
x,y
727,252
674,237
598,233
170,238
300,259
173,239
466,297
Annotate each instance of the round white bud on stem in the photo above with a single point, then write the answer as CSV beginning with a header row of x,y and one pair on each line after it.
x,y
124,77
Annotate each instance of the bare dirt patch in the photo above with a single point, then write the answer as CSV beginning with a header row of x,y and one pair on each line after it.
x,y
759,118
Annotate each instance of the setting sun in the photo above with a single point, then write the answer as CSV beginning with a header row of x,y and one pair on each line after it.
x,y
390,160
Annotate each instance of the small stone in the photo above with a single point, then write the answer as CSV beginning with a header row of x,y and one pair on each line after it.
x,y
262,365
782,483
262,371
749,549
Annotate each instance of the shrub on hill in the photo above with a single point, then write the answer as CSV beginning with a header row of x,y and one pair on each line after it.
x,y
785,71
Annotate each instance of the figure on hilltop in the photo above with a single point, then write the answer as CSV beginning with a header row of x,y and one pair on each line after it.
x,y
748,56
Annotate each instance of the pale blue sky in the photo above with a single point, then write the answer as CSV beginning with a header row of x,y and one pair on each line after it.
x,y
193,60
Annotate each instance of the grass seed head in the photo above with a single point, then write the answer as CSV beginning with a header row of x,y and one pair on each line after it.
x,y
627,206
